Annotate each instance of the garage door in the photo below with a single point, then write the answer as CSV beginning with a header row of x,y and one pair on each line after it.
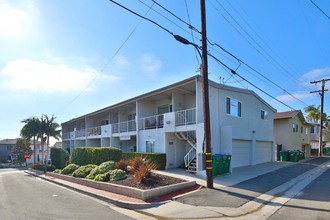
x,y
241,155
263,152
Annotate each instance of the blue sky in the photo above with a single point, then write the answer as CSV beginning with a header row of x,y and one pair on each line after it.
x,y
69,58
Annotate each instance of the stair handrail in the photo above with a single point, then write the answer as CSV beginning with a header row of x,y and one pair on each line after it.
x,y
190,156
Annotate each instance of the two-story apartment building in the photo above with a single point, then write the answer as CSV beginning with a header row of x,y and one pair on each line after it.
x,y
170,120
292,131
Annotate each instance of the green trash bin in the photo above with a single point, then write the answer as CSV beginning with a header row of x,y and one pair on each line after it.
x,y
227,160
284,156
215,165
293,156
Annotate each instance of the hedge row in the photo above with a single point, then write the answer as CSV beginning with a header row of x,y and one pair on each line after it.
x,y
95,155
59,157
158,159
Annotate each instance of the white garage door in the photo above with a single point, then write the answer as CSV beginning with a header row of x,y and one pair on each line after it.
x,y
263,152
241,155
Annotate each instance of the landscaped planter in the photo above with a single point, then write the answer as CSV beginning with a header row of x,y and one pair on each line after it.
x,y
125,190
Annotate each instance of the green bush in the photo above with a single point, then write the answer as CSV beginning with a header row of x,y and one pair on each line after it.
x,y
83,171
158,159
69,169
101,169
42,167
59,157
57,171
104,177
95,155
117,175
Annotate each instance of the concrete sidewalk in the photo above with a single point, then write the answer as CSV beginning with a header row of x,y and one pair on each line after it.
x,y
173,209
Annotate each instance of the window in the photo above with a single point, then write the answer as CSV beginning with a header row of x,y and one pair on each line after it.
x,y
264,115
314,130
150,146
105,122
233,107
301,129
294,128
306,130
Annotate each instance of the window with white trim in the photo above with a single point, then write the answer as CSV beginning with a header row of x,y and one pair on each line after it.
x,y
233,107
294,128
264,115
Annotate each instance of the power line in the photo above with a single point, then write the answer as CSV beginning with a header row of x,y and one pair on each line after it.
x,y
180,19
320,9
261,90
103,68
191,31
259,73
185,41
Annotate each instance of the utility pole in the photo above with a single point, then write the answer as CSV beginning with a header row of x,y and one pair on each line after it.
x,y
321,92
206,105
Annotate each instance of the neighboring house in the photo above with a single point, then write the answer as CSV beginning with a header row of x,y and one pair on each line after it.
x,y
5,149
292,131
7,144
315,137
38,155
170,120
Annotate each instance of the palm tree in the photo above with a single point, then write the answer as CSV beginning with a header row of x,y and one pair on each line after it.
x,y
51,128
42,135
313,113
31,130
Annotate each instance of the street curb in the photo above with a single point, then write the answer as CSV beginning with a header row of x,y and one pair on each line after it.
x,y
122,204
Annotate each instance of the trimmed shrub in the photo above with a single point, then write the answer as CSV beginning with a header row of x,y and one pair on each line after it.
x,y
42,167
101,169
57,171
116,175
83,171
104,177
59,157
95,155
69,169
158,159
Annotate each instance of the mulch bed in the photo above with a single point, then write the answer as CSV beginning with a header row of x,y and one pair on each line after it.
x,y
156,180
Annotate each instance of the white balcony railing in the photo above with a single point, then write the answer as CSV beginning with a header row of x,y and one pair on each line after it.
x,y
125,126
94,131
80,133
152,122
185,117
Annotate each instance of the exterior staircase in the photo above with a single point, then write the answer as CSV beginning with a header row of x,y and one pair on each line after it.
x,y
190,157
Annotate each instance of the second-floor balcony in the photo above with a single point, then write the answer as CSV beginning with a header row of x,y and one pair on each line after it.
x,y
185,117
80,133
152,122
126,126
96,131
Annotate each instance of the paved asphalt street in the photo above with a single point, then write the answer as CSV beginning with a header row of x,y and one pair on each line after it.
x,y
241,193
311,203
26,197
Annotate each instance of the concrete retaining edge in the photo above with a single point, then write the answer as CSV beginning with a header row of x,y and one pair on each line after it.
x,y
125,190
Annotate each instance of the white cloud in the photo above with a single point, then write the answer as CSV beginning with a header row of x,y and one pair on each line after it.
x,y
150,64
30,75
316,74
18,20
121,62
298,95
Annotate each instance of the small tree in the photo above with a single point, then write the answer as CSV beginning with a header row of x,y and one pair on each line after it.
x,y
21,148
